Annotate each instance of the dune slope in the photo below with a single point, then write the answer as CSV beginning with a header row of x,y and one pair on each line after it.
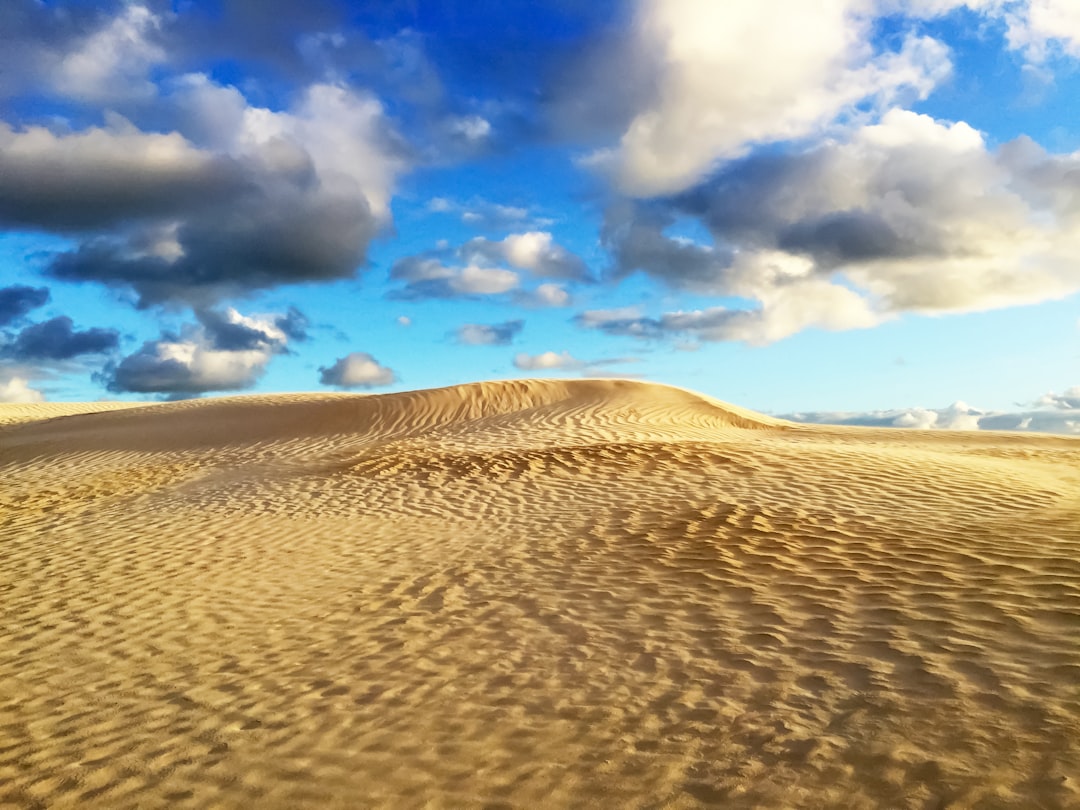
x,y
587,593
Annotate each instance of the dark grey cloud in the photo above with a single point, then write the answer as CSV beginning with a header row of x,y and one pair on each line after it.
x,y
146,372
846,236
813,203
19,299
263,199
279,236
635,236
57,339
100,179
489,334
270,33
294,324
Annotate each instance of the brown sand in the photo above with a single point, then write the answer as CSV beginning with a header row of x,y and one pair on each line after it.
x,y
533,594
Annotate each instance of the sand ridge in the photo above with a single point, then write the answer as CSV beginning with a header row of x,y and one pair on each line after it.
x,y
533,593
12,413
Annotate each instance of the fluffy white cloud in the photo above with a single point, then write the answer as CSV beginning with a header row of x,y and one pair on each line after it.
x,y
472,128
908,215
338,132
725,76
357,370
474,269
114,61
18,390
474,280
534,251
431,277
1036,24
547,361
783,312
225,351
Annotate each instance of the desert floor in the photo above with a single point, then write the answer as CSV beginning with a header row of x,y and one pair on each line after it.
x,y
534,594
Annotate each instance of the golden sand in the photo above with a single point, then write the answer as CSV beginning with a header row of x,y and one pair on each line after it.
x,y
532,594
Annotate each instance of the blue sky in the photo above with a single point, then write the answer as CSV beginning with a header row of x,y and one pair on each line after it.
x,y
853,210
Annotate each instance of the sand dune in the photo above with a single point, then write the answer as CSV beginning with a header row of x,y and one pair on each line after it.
x,y
529,594
14,413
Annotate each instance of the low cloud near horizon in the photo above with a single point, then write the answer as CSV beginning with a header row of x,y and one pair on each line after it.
x,y
1051,413
357,370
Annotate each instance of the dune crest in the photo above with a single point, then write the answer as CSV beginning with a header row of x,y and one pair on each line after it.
x,y
585,404
532,593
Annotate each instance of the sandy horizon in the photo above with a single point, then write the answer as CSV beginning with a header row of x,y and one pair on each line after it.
x,y
531,593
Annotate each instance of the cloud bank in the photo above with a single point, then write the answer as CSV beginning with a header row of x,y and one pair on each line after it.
x,y
909,215
1051,413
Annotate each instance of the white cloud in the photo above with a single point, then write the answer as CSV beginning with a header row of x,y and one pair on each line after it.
x,y
918,418
547,361
489,334
18,390
474,280
1052,413
1069,399
430,277
226,351
908,215
535,251
1037,24
483,214
404,320
357,370
545,295
114,62
340,131
437,274
472,128
527,250
730,75
784,311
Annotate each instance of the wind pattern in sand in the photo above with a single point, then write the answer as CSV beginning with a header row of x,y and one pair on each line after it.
x,y
532,594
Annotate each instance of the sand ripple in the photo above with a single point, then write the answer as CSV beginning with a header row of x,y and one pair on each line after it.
x,y
533,594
